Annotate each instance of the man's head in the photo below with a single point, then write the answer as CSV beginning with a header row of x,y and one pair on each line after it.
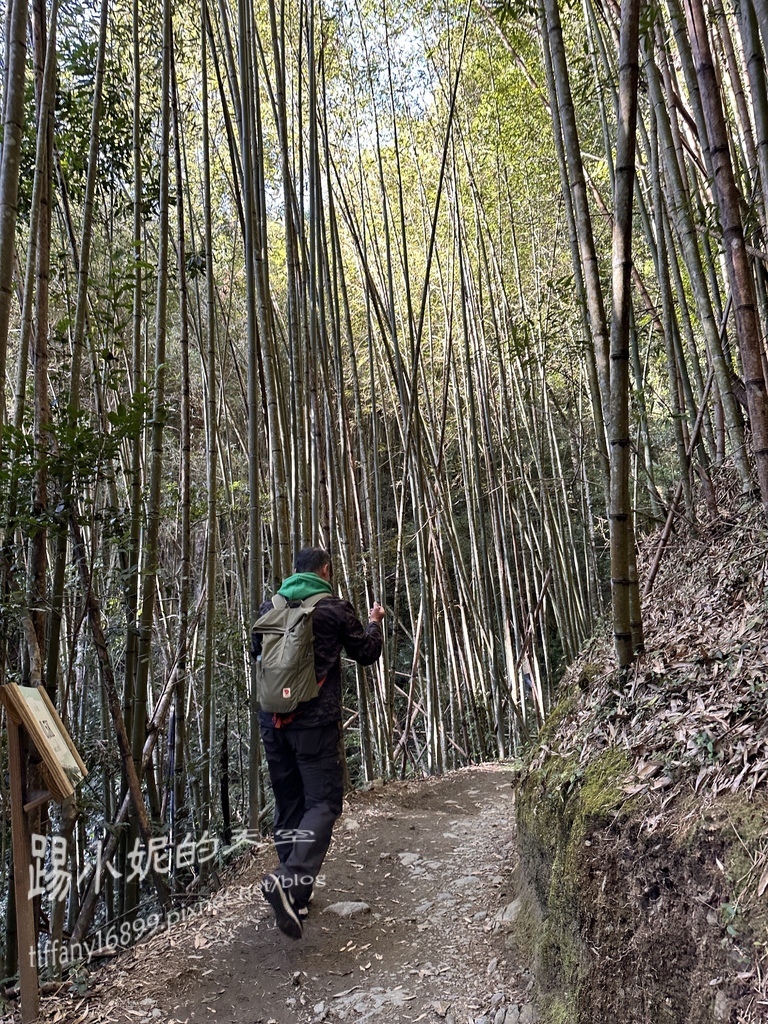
x,y
315,560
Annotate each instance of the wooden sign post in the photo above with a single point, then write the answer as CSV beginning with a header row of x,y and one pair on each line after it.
x,y
30,708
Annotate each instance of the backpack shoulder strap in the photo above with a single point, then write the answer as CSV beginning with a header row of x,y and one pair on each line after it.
x,y
279,602
310,602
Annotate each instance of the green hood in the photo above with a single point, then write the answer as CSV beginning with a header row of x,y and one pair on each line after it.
x,y
304,584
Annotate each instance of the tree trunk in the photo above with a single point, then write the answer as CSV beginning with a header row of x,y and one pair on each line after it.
x,y
590,266
622,534
177,782
737,260
211,446
13,128
680,204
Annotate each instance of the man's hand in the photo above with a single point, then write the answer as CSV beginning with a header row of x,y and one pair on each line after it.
x,y
377,613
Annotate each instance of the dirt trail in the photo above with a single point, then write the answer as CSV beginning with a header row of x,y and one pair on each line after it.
x,y
432,860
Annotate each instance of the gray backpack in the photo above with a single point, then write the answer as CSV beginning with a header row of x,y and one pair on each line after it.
x,y
285,670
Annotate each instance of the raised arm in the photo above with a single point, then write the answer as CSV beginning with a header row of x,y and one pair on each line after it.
x,y
362,643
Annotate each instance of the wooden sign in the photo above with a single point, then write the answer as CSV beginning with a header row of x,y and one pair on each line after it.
x,y
31,707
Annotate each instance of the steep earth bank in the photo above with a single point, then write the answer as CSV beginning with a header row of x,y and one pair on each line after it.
x,y
642,817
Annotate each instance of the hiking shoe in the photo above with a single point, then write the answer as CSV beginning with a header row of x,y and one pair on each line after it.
x,y
286,917
304,911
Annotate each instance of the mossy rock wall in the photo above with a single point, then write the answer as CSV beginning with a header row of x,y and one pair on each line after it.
x,y
639,914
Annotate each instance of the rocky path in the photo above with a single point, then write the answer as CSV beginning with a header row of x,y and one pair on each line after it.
x,y
423,871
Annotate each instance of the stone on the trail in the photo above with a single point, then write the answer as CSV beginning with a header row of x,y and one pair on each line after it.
x,y
509,914
480,915
319,1008
492,965
147,1002
482,1020
466,882
520,1014
351,825
348,908
500,1017
408,859
373,784
722,1006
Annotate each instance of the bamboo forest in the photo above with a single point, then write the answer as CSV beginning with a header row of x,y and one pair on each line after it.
x,y
472,296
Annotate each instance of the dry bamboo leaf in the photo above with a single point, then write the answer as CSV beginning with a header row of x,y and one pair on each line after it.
x,y
634,790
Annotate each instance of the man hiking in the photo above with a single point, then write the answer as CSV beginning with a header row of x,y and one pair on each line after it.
x,y
303,748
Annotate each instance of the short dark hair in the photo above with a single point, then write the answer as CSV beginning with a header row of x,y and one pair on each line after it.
x,y
311,560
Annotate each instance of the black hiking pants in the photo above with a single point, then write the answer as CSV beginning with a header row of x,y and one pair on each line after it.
x,y
308,782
